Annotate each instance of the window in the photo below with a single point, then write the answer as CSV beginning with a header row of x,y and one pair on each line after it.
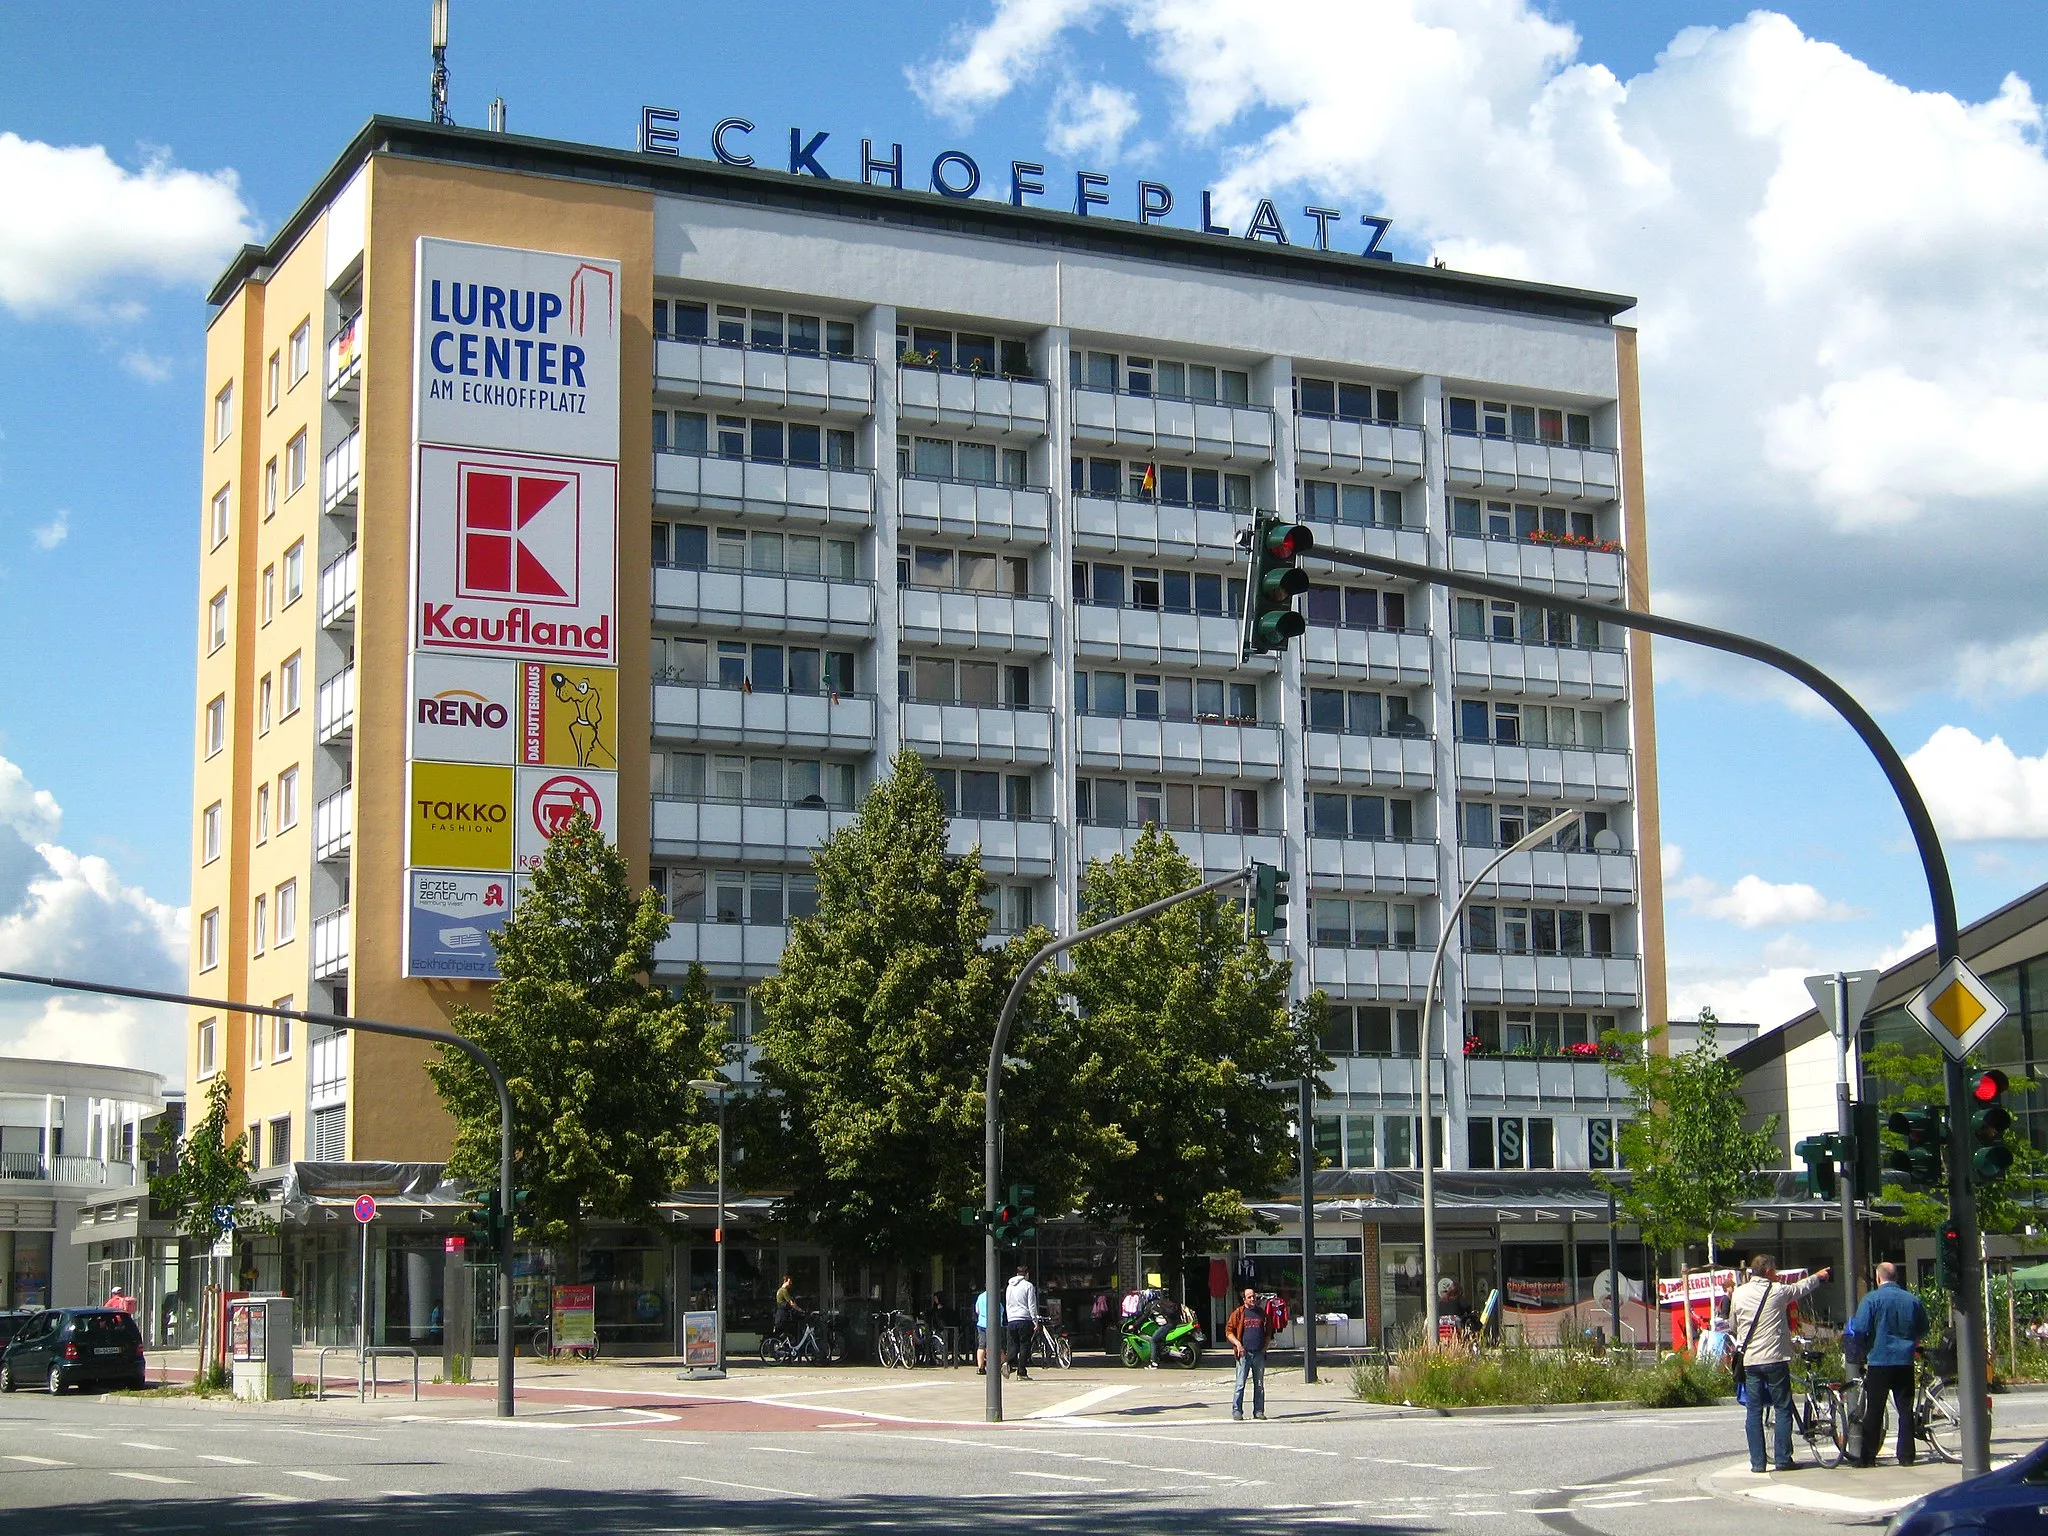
x,y
1361,818
300,350
287,799
209,833
209,940
1356,712
280,1141
216,725
802,782
984,793
287,912
768,330
761,898
1156,376
207,1031
259,930
217,622
973,352
1480,1141
1354,608
281,1032
263,705
1524,623
1602,1146
269,489
938,458
1485,825
1170,589
1341,923
223,413
1539,931
218,525
963,570
760,550
1517,520
947,680
1364,506
269,588
1373,1030
328,1140
294,573
1011,908
273,386
1523,423
1347,401
1539,1142
1533,725
1178,807
1173,485
288,687
753,668
1148,696
295,464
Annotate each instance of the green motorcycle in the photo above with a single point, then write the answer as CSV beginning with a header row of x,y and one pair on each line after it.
x,y
1150,1339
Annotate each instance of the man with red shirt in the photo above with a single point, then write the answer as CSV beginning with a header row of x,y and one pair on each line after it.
x,y
1246,1331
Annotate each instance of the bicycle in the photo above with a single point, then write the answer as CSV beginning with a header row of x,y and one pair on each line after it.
x,y
1053,1347
896,1342
1935,1416
1820,1409
804,1349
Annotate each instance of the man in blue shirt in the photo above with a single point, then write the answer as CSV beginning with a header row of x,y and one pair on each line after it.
x,y
1891,1322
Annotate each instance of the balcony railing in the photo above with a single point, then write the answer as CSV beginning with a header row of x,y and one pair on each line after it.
x,y
811,492
334,824
345,354
694,711
1570,570
760,602
330,945
1560,470
976,732
1007,407
1335,445
334,706
338,588
341,473
1014,514
1243,433
806,382
66,1170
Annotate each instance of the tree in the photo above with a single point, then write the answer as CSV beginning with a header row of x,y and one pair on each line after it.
x,y
873,1042
1691,1165
1187,1024
1918,1080
598,1058
206,1190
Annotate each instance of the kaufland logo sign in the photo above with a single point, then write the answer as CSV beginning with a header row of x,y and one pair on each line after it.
x,y
517,534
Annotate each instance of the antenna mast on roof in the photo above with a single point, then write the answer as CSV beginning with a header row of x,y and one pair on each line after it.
x,y
439,88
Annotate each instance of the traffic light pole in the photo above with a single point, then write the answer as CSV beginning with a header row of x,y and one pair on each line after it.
x,y
992,1144
1850,1175
375,1027
1967,1300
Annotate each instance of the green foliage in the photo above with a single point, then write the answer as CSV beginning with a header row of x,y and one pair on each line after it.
x,y
1916,1080
874,1039
598,1060
1691,1165
210,1174
1459,1376
1187,1025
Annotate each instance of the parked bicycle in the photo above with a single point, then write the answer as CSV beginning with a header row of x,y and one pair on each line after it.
x,y
1052,1345
808,1347
1936,1418
896,1342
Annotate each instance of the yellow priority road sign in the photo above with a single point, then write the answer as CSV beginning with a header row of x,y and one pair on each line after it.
x,y
1957,1009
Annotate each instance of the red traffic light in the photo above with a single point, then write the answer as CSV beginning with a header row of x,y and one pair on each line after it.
x,y
1287,541
1989,1085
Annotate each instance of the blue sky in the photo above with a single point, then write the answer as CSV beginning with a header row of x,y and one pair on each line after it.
x,y
1783,497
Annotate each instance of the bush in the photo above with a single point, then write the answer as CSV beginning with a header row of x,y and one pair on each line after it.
x,y
1463,1376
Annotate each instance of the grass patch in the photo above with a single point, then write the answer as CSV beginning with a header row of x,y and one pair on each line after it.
x,y
1464,1376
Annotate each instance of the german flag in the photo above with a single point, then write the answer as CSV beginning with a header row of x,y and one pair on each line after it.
x,y
1150,486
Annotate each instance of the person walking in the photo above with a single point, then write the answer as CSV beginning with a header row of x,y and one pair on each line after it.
x,y
1891,1322
1763,1338
1020,1311
981,1338
1246,1331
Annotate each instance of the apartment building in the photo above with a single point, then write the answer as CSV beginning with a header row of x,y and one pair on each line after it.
x,y
542,476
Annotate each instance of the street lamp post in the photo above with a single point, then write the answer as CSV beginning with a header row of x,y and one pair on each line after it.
x,y
1535,835
719,1088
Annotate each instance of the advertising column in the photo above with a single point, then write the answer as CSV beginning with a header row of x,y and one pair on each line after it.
x,y
513,659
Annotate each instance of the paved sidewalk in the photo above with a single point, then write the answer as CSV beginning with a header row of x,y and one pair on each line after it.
x,y
1864,1492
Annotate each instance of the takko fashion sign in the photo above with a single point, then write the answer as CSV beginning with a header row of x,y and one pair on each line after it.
x,y
514,630
957,174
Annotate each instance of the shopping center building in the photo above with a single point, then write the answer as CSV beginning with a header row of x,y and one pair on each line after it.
x,y
542,476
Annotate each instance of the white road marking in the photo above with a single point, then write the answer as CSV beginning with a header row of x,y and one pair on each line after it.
x,y
560,1461
273,1498
782,1450
403,1493
1685,1498
1080,1404
148,1477
667,1440
1057,1477
228,1461
42,1461
311,1476
858,1424
785,1493
65,1434
144,1445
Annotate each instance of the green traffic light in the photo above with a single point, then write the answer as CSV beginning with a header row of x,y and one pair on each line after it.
x,y
1272,582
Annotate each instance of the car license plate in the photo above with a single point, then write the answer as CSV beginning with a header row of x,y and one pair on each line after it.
x,y
108,1349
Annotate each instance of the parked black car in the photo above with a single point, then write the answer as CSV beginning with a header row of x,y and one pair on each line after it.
x,y
71,1346
11,1323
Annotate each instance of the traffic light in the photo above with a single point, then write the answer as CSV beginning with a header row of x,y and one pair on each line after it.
x,y
1864,1156
1269,895
1273,581
1819,1154
1920,1158
1024,1224
482,1220
1989,1121
1948,1257
1006,1223
520,1197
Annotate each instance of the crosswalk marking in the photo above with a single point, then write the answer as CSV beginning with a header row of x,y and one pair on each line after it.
x,y
228,1461
144,1445
148,1477
311,1476
41,1461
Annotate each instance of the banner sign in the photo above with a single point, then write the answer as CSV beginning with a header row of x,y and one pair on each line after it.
x,y
451,915
575,1316
700,1340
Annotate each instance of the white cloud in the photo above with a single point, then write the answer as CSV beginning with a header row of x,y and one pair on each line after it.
x,y
1091,121
78,223
1845,339
1979,790
146,366
52,533
67,914
1766,994
1911,942
1754,902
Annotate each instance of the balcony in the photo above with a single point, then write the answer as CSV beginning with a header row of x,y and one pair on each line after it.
x,y
1384,1078
817,722
1403,543
971,733
807,384
1554,981
1382,655
1215,853
1540,671
1568,773
334,707
345,356
801,492
725,829
728,949
1325,446
1129,744
1001,513
1550,470
762,603
1567,570
330,945
975,621
1018,849
1499,1079
1388,975
1548,874
86,1172
1155,637
966,402
1157,530
1384,762
327,1075
338,589
334,820
1149,424
1356,864
341,472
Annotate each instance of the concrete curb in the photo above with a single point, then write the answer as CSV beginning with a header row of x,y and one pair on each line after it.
x,y
1485,1410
